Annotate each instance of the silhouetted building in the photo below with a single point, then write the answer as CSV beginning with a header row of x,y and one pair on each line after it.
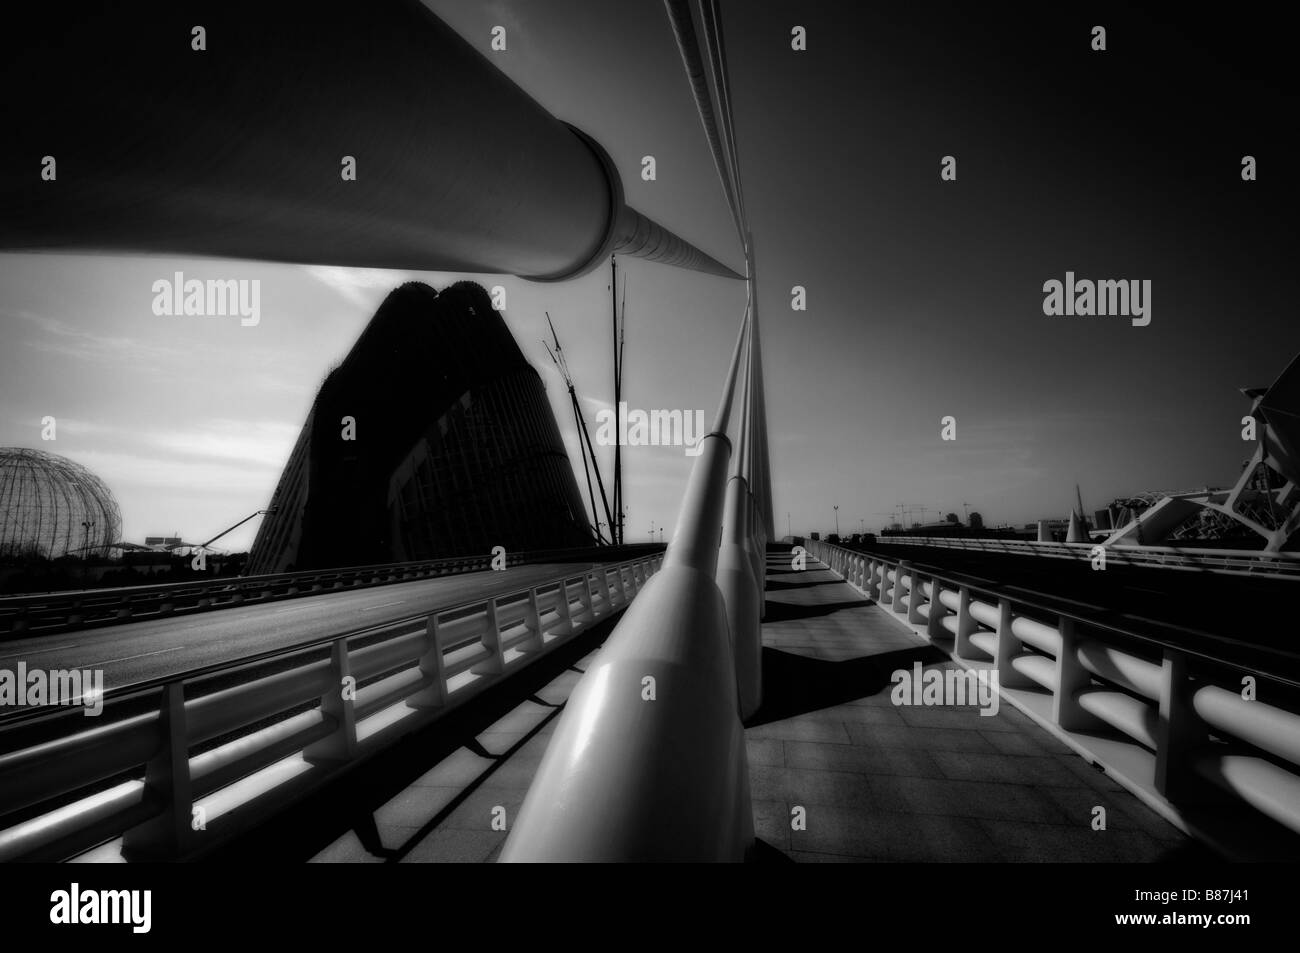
x,y
433,438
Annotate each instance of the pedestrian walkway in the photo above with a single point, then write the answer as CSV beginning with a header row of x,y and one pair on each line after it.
x,y
898,783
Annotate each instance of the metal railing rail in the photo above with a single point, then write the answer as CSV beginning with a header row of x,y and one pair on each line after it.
x,y
53,612
1182,711
279,735
1243,561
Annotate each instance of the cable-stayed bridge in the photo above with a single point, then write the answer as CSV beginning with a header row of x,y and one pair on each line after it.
x,y
742,699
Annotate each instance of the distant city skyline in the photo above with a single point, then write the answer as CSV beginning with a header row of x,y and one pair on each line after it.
x,y
924,297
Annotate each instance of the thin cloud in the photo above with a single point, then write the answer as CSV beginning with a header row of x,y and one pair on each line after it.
x,y
263,443
363,287
199,478
62,338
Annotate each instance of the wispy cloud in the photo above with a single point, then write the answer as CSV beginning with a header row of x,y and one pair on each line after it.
x,y
264,443
363,287
75,427
199,478
62,338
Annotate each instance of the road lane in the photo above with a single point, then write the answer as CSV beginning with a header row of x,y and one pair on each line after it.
x,y
137,651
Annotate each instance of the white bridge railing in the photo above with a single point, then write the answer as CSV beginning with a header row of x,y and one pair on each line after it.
x,y
1172,722
133,771
1244,561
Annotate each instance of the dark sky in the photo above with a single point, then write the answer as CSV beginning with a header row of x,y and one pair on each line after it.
x,y
924,297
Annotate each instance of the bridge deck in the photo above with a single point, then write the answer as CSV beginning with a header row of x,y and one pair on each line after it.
x,y
134,652
877,781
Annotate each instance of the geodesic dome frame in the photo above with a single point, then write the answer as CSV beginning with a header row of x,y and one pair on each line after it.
x,y
50,506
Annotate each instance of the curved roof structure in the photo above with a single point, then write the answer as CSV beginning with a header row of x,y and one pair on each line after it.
x,y
50,506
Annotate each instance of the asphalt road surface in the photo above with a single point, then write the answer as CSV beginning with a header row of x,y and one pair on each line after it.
x,y
138,651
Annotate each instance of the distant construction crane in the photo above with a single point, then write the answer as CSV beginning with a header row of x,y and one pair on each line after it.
x,y
912,508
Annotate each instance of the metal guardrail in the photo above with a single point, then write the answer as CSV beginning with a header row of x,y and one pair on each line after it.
x,y
53,612
1241,561
1183,712
169,803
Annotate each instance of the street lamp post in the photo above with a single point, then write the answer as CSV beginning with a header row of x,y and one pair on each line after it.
x,y
837,519
85,548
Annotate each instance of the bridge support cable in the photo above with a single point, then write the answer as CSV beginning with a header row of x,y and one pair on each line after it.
x,y
756,472
648,760
717,55
762,463
681,17
706,69
739,572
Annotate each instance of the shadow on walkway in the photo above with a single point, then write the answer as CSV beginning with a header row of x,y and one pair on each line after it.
x,y
795,684
775,585
785,612
765,853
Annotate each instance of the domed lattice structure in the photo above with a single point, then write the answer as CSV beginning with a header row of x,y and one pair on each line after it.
x,y
50,506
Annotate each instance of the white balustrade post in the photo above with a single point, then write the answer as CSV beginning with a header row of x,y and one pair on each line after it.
x,y
565,625
934,624
167,778
901,598
886,589
623,597
1179,732
431,667
605,591
1008,647
495,663
966,624
533,619
338,704
588,604
1071,678
915,600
